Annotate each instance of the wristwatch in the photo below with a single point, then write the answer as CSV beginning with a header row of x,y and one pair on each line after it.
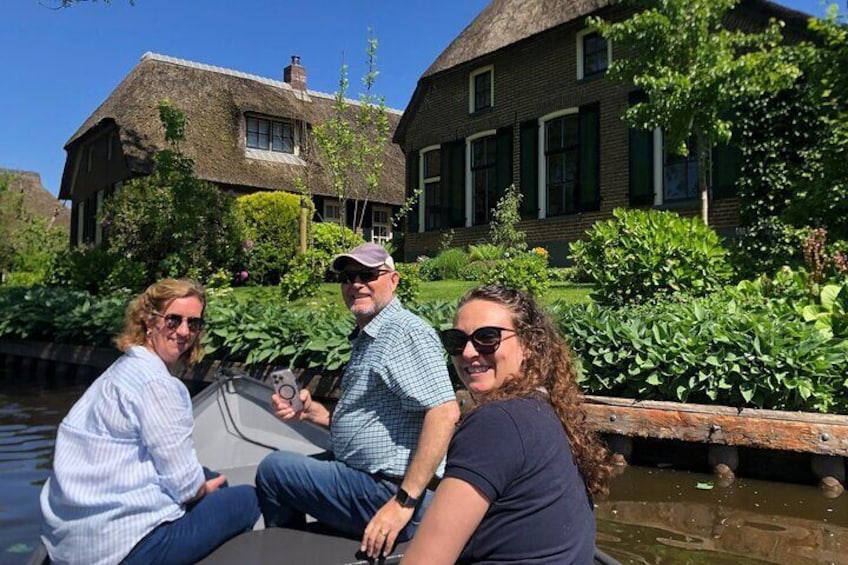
x,y
405,500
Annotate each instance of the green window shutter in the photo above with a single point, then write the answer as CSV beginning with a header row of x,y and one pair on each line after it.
x,y
590,157
411,187
453,180
529,170
726,163
641,161
503,172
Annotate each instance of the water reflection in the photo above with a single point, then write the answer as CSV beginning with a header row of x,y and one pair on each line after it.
x,y
667,516
28,420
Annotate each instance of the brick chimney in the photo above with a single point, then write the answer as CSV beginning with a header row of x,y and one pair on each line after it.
x,y
294,74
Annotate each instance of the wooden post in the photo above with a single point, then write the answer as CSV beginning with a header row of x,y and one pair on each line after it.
x,y
830,470
621,448
303,224
723,461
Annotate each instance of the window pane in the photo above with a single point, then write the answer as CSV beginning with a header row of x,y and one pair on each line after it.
x,y
252,132
432,163
482,90
594,54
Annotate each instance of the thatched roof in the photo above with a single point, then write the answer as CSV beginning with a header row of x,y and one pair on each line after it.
x,y
37,199
505,22
214,100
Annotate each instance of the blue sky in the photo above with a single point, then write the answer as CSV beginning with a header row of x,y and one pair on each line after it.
x,y
57,66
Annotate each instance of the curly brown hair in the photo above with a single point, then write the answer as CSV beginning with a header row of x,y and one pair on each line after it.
x,y
141,313
548,363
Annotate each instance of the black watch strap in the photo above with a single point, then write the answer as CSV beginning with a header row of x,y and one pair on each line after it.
x,y
405,500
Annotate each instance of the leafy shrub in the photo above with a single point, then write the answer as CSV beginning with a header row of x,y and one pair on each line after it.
x,y
486,252
734,348
478,270
641,255
97,271
437,313
60,314
410,282
564,274
766,246
503,229
830,315
448,264
273,332
527,272
170,221
304,275
329,239
272,232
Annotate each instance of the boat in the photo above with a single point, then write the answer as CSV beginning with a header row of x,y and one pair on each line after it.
x,y
234,429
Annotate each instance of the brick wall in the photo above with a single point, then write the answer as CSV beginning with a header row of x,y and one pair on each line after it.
x,y
533,78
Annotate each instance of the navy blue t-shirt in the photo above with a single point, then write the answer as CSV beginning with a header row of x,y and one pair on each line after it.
x,y
517,454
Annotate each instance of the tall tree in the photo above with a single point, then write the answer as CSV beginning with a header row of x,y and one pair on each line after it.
x,y
351,144
693,72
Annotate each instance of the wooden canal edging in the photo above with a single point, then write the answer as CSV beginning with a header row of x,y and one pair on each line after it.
x,y
724,430
729,436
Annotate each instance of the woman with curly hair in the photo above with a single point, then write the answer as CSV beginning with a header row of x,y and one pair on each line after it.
x,y
522,467
126,485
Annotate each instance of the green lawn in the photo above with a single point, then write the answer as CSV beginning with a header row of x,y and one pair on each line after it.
x,y
448,291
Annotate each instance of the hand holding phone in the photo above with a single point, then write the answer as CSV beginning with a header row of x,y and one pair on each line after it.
x,y
285,384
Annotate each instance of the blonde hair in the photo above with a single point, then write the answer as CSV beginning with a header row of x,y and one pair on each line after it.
x,y
548,364
141,313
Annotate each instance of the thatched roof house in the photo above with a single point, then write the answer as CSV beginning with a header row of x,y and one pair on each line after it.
x,y
521,98
244,133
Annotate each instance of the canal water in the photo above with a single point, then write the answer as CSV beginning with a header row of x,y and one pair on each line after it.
x,y
652,516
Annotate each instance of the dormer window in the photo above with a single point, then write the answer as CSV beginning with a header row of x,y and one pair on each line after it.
x,y
481,89
270,135
593,54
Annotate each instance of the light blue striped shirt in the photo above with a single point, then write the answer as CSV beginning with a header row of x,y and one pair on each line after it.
x,y
124,463
396,373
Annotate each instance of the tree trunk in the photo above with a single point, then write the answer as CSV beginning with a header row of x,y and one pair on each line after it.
x,y
704,149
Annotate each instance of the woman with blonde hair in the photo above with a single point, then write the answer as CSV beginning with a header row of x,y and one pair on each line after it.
x,y
126,485
522,467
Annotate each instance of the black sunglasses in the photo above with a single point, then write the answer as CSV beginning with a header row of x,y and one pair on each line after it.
x,y
174,321
348,277
486,340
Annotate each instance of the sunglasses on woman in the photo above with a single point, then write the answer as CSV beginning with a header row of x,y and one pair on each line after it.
x,y
485,340
174,321
348,277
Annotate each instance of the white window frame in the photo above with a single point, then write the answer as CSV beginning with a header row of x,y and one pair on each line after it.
x,y
580,35
422,198
542,194
472,90
469,188
387,224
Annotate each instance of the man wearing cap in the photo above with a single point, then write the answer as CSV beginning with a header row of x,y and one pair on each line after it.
x,y
390,429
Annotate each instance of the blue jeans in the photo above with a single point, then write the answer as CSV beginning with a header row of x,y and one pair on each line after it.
x,y
208,523
290,485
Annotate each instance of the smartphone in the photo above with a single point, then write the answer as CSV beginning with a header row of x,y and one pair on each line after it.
x,y
285,384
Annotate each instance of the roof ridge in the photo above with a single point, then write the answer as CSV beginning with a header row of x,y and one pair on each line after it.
x,y
239,74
